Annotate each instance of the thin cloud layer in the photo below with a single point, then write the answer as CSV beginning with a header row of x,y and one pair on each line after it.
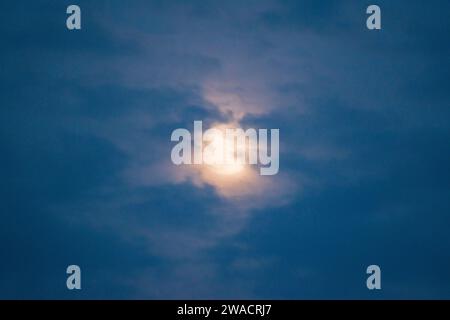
x,y
86,124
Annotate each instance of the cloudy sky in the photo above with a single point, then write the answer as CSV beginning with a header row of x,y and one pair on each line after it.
x,y
86,118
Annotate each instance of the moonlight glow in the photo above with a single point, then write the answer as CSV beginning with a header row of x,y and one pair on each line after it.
x,y
226,149
222,147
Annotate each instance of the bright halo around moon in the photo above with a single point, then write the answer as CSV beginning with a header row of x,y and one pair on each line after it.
x,y
233,179
220,148
227,157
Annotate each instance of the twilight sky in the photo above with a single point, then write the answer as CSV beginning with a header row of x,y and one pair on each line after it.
x,y
86,118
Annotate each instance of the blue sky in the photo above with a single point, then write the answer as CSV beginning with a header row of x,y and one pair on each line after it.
x,y
86,118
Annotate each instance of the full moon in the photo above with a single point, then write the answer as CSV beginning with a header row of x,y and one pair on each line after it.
x,y
223,147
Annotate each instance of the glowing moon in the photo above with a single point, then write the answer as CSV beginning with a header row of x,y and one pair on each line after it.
x,y
222,147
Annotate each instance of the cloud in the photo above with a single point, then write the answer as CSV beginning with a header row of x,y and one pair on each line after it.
x,y
346,103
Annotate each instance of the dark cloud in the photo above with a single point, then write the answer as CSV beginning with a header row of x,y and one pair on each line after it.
x,y
85,131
